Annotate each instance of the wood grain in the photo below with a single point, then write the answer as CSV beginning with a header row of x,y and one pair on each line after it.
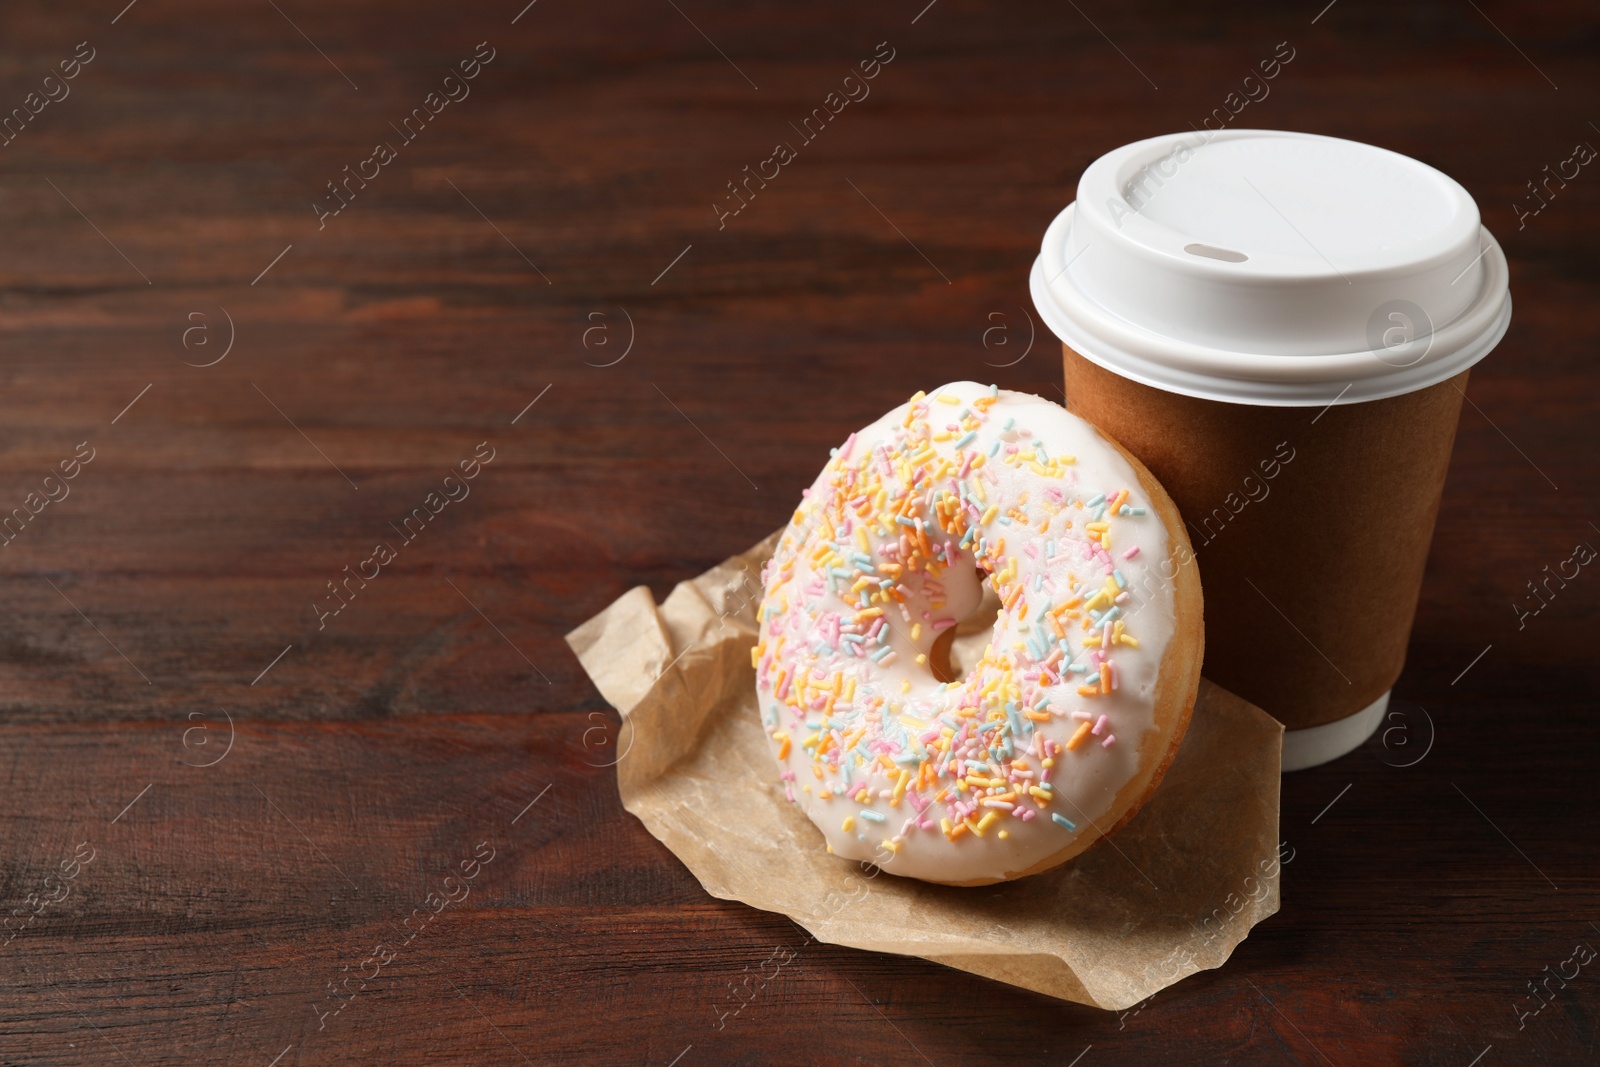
x,y
146,607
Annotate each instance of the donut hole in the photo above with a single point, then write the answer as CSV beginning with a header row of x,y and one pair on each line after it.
x,y
965,641
939,657
948,660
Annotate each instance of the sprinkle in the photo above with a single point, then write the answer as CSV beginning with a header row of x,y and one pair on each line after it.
x,y
848,824
1100,726
900,788
1077,738
966,439
868,813
1110,740
1061,820
1134,551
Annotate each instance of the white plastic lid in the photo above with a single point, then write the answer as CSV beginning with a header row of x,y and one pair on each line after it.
x,y
1272,268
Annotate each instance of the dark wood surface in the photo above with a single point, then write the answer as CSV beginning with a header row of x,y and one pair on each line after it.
x,y
381,749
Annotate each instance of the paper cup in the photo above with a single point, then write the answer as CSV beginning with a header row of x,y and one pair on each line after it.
x,y
1280,327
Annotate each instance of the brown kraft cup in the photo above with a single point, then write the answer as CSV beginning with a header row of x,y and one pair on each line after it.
x,y
1311,535
1281,326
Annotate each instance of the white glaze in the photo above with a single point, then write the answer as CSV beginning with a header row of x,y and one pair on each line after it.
x,y
797,636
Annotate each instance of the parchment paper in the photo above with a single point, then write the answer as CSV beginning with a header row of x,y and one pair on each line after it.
x,y
1169,894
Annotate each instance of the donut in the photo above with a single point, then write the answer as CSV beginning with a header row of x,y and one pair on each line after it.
x,y
1064,726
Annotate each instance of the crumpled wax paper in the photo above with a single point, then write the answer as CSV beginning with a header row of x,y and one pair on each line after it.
x,y
1169,894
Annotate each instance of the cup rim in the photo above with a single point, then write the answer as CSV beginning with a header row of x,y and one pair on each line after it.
x,y
1189,369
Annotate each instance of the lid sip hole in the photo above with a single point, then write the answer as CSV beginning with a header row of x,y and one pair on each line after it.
x,y
1215,253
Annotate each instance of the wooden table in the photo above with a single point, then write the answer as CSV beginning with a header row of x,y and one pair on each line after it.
x,y
236,792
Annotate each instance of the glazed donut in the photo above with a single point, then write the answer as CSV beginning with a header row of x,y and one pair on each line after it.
x,y
1066,723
